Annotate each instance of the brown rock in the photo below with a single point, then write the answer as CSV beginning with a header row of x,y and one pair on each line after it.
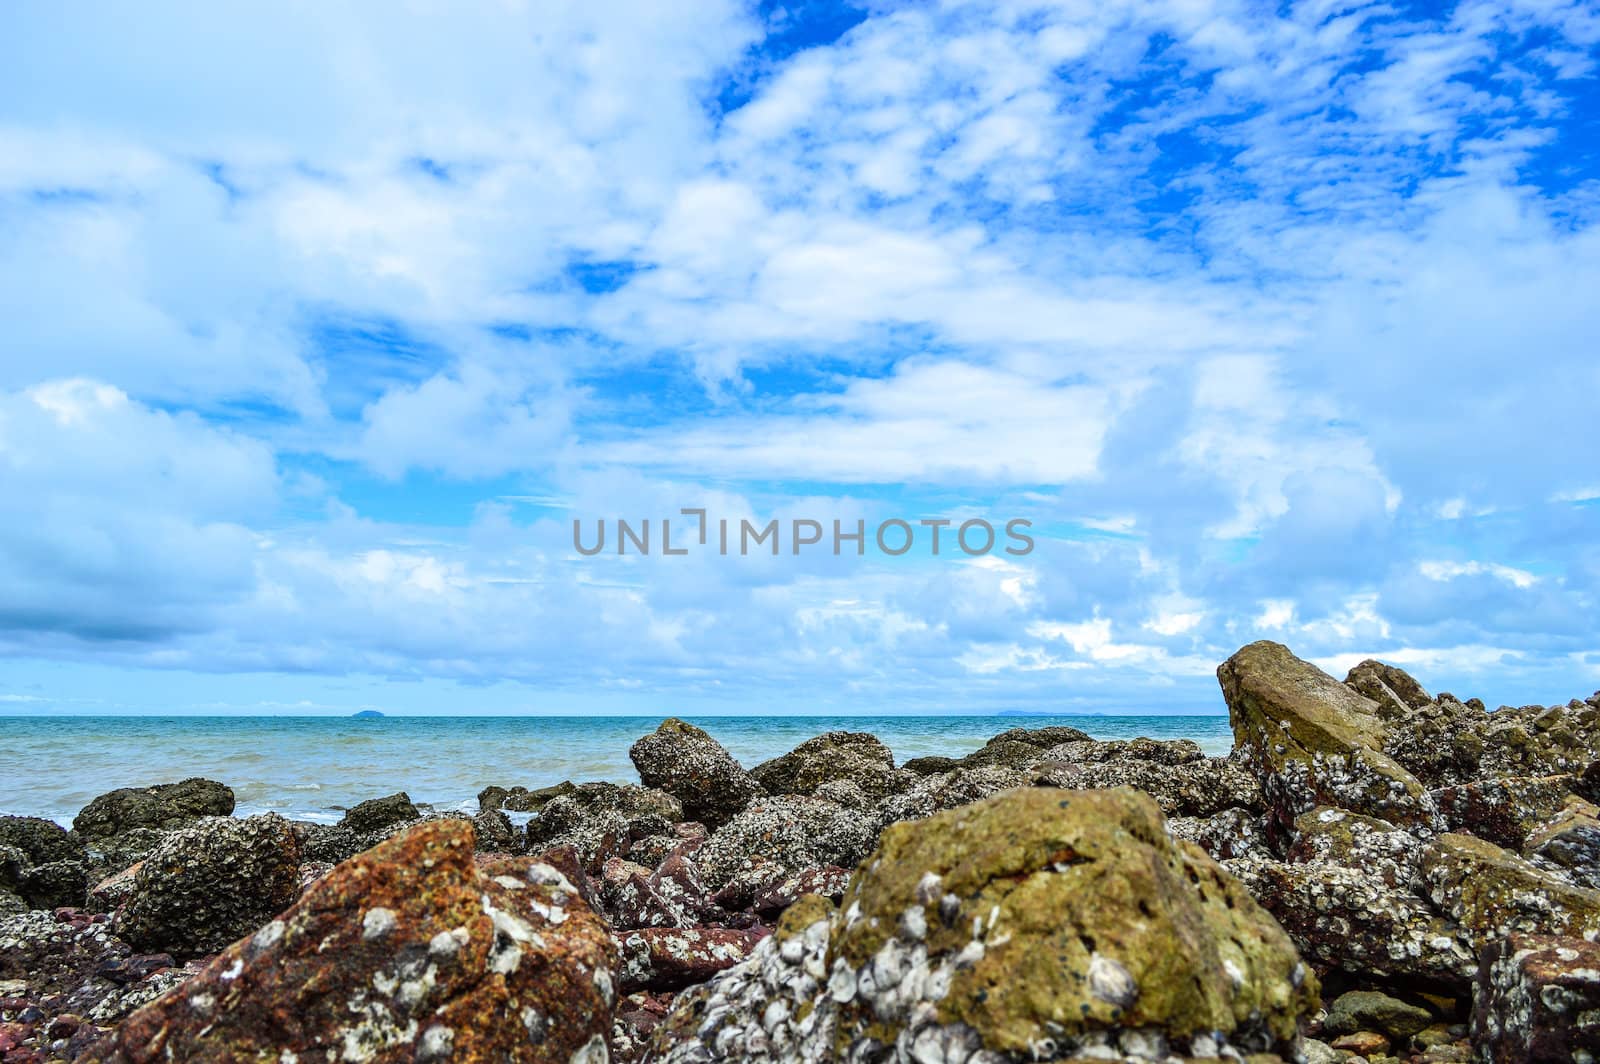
x,y
410,951
1491,893
690,765
667,958
1363,1043
1538,999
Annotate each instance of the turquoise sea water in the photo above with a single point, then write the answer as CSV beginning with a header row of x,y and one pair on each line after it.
x,y
315,767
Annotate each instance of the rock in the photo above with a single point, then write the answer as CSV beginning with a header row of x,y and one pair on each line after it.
x,y
1588,786
1043,738
1392,689
678,881
1503,811
493,831
438,957
856,757
376,814
521,799
1345,919
1123,940
1361,1043
71,962
930,766
829,881
1368,1010
1538,999
600,820
790,833
1440,743
1571,843
1159,751
631,900
165,807
1225,835
1492,893
42,865
671,958
690,765
1317,1052
1006,753
1200,788
1376,847
209,883
122,851
1540,740
638,1015
948,790
1310,741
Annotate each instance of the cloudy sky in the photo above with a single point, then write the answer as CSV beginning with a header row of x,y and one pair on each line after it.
x,y
323,322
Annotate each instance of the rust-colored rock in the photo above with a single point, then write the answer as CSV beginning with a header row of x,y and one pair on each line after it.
x,y
670,958
410,951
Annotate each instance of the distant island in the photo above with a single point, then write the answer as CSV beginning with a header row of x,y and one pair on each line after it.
x,y
367,714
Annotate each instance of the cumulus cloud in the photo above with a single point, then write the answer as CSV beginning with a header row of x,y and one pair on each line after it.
x,y
1275,322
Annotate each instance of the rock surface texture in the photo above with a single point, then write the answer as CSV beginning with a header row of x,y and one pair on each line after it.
x,y
438,958
1032,925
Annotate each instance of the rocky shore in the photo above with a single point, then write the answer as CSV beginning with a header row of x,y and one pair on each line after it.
x,y
1373,874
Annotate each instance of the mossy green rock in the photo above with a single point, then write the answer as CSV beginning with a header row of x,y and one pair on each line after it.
x,y
1312,740
1088,915
1368,1010
1492,893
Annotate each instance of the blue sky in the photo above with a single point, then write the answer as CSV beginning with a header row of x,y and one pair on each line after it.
x,y
323,323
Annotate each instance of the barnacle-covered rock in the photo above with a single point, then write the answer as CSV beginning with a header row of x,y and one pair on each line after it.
x,y
949,790
1033,925
671,958
1570,842
783,835
1538,999
1504,811
1492,893
438,958
164,807
209,883
1225,835
1376,847
375,814
1395,692
41,863
690,765
1313,741
1345,919
1198,787
600,820
859,758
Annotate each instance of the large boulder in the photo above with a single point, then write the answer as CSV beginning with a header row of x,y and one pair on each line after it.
x,y
410,952
1538,999
1313,741
1492,893
855,757
209,883
41,863
1033,925
690,765
164,807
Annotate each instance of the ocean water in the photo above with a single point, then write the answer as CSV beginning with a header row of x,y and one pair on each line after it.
x,y
313,768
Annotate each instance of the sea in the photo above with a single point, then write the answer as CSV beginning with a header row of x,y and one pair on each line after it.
x,y
314,768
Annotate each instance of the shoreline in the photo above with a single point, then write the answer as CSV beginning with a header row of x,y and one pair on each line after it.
x,y
1370,873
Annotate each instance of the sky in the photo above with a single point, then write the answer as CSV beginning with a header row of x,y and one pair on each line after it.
x,y
324,323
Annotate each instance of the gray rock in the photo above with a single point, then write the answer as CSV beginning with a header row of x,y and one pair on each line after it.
x,y
164,807
855,757
690,765
376,814
787,834
211,883
1369,1010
